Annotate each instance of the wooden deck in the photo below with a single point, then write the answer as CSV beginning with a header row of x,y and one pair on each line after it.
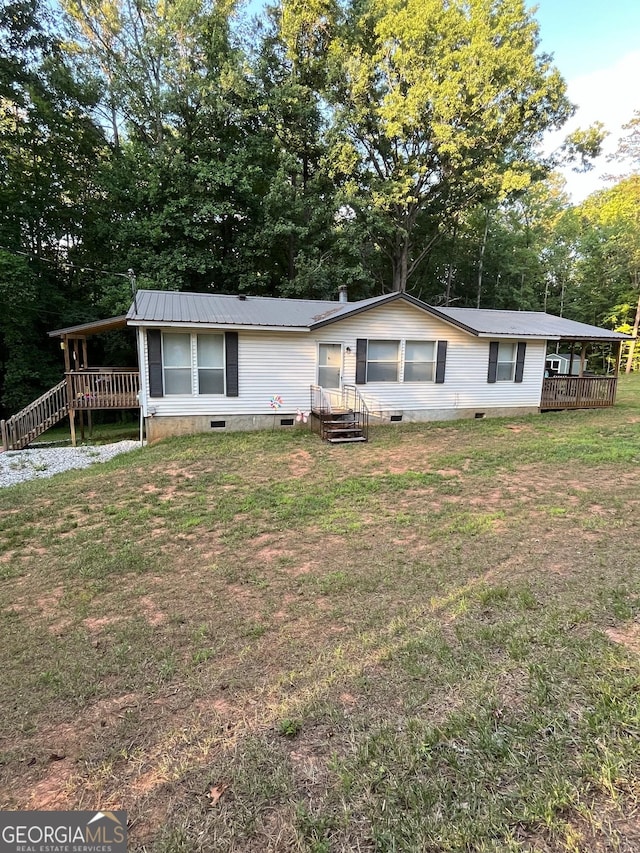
x,y
578,392
80,391
103,388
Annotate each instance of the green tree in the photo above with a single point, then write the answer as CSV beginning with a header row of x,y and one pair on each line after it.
x,y
49,145
608,258
436,107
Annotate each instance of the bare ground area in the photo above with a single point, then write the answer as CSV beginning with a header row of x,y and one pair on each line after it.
x,y
430,642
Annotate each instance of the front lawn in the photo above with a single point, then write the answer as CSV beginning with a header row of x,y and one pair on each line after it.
x,y
260,642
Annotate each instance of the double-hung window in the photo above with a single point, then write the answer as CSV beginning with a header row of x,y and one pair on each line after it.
x,y
193,364
210,351
419,361
506,361
400,361
506,366
383,361
176,358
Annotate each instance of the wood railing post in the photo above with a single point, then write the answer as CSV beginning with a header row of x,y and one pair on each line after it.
x,y
3,432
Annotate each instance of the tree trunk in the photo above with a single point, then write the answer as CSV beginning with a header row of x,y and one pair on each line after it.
x,y
632,345
481,258
114,125
447,293
401,264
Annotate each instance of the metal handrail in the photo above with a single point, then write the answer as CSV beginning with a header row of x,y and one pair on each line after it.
x,y
328,401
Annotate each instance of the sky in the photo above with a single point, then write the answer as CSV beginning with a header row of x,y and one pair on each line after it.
x,y
596,47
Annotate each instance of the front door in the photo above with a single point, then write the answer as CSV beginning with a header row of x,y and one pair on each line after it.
x,y
329,365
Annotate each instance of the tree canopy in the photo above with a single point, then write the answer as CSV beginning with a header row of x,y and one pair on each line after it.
x,y
381,144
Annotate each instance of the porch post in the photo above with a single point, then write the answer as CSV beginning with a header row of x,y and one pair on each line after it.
x,y
619,358
67,373
72,425
583,354
573,346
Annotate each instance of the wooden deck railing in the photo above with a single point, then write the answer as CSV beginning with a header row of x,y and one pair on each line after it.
x,y
104,388
95,388
578,392
36,418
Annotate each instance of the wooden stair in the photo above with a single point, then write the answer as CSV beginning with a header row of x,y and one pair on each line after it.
x,y
48,410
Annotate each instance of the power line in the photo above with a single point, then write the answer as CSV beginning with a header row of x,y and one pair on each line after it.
x,y
65,263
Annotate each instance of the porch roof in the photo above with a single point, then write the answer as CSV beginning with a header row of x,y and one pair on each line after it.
x,y
486,322
84,330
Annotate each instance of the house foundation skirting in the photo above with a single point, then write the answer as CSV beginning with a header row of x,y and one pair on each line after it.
x,y
164,426
417,416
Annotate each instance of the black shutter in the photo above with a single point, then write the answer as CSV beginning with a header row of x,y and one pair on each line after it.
x,y
361,361
441,361
231,362
522,349
493,361
154,354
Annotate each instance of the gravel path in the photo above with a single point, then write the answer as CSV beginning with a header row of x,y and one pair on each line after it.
x,y
16,466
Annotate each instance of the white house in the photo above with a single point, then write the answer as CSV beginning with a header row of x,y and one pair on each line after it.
x,y
210,362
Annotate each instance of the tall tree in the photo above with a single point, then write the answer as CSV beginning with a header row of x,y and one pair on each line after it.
x,y
436,107
49,146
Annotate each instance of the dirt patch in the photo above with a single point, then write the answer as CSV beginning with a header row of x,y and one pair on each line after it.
x,y
49,603
629,637
300,463
95,624
153,615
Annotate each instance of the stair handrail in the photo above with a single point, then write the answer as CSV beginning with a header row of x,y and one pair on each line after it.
x,y
353,399
26,425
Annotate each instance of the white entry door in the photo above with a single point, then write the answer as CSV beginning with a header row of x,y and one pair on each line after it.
x,y
329,365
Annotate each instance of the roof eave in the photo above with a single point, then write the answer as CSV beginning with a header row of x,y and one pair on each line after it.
x,y
392,297
618,336
178,324
356,309
94,328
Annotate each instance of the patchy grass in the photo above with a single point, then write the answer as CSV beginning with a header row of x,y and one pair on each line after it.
x,y
259,642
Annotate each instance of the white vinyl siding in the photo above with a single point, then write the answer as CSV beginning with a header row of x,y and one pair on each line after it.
x,y
286,363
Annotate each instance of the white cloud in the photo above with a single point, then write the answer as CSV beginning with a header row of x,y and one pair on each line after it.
x,y
609,95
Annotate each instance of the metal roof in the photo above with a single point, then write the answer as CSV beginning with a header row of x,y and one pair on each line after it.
x,y
94,328
526,324
170,307
153,306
